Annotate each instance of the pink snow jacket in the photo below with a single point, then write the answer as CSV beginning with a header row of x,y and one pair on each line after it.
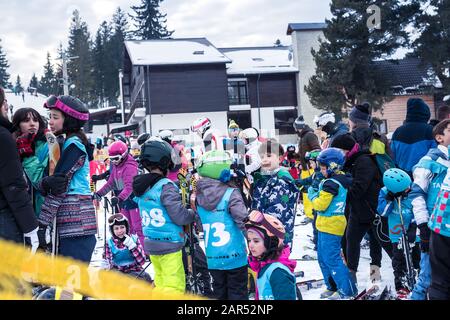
x,y
121,179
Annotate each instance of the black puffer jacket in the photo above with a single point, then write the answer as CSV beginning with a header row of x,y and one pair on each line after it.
x,y
14,198
362,196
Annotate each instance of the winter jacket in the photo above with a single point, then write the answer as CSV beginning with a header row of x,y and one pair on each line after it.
x,y
414,138
114,245
171,200
390,210
362,196
36,167
428,176
308,142
329,203
211,191
14,198
277,195
339,129
440,216
280,280
253,158
121,180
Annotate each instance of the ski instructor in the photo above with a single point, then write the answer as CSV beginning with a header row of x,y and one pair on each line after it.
x,y
17,218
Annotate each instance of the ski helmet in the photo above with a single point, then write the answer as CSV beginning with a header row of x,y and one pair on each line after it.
x,y
47,294
332,158
118,219
117,151
249,135
324,118
290,148
272,229
396,180
212,163
157,153
312,155
201,125
76,113
119,137
143,137
299,123
166,135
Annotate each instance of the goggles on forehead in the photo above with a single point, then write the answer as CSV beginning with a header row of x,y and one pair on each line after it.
x,y
258,219
116,218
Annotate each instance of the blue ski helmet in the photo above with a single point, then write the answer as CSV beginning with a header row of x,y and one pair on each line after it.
x,y
396,180
332,158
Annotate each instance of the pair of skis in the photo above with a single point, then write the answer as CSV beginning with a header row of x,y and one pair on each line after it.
x,y
187,188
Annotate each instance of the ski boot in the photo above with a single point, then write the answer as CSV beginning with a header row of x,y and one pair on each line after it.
x,y
327,294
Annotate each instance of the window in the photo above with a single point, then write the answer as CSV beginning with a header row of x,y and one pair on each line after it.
x,y
237,92
284,120
381,126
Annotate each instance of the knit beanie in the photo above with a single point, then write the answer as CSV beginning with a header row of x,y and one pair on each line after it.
x,y
344,142
360,113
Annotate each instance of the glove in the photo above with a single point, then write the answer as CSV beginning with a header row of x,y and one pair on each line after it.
x,y
55,184
312,193
95,178
114,201
32,239
24,145
424,237
44,236
129,243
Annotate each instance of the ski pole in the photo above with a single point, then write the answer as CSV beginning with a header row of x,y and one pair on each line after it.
x,y
406,249
142,272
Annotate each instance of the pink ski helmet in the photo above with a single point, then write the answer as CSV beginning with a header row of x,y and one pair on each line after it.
x,y
117,152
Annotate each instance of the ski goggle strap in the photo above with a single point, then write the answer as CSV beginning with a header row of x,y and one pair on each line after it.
x,y
118,217
54,103
258,219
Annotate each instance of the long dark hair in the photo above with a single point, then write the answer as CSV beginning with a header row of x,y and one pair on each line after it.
x,y
23,114
2,96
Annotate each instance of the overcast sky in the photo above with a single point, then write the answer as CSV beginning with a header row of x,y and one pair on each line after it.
x,y
30,28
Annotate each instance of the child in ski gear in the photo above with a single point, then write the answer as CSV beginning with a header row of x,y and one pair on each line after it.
x,y
123,169
440,244
428,176
124,252
274,190
33,150
269,258
250,136
308,141
397,185
211,138
289,161
73,207
362,196
163,215
222,213
327,123
329,202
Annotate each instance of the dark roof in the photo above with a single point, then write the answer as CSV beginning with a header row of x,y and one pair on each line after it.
x,y
305,26
407,72
125,128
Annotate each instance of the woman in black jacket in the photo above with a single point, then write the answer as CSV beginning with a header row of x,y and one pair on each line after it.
x,y
362,201
17,219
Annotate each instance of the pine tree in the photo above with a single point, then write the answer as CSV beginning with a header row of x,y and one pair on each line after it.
x,y
433,44
48,84
34,83
4,76
18,88
102,60
80,67
345,69
150,22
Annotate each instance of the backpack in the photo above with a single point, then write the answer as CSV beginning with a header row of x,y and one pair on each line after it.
x,y
382,159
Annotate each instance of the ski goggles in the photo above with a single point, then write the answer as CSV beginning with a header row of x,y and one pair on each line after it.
x,y
118,217
53,102
258,219
115,158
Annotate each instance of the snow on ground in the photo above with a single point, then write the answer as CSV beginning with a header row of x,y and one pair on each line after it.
x,y
302,240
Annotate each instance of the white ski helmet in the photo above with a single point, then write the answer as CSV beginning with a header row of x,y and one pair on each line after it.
x,y
166,135
249,135
200,126
324,118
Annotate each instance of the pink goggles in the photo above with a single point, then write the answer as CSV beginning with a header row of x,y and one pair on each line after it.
x,y
54,103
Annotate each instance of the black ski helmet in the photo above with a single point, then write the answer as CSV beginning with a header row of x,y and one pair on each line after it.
x,y
158,153
76,113
143,137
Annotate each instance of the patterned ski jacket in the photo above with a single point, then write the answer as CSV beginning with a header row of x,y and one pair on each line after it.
x,y
277,195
